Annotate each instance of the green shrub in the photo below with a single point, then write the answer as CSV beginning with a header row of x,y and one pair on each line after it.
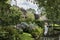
x,y
26,36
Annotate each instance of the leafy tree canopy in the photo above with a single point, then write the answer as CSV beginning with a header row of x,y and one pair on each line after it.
x,y
52,8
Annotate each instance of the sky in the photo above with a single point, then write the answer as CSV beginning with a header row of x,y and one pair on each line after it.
x,y
26,5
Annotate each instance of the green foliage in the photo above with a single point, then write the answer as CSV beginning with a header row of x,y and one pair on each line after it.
x,y
40,23
31,10
26,36
32,29
12,15
37,32
8,33
30,17
52,8
3,1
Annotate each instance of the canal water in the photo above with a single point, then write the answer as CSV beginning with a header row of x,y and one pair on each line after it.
x,y
49,38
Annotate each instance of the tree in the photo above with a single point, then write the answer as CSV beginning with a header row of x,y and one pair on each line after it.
x,y
52,8
9,15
